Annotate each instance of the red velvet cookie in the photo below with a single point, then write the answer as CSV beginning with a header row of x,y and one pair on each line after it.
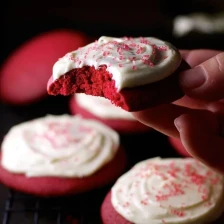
x,y
178,146
24,74
110,216
108,213
169,190
101,109
133,73
62,155
55,186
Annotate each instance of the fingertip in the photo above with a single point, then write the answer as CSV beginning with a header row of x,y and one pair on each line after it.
x,y
192,78
206,80
178,123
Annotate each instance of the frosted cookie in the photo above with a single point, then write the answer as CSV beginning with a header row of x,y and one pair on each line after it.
x,y
58,155
178,146
133,73
171,191
102,109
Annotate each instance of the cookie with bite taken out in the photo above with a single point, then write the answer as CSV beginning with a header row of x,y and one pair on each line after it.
x,y
133,73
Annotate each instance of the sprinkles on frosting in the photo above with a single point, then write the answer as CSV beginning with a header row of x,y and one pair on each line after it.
x,y
124,52
65,145
131,61
168,191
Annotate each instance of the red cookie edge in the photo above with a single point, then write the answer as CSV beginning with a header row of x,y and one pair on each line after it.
x,y
56,186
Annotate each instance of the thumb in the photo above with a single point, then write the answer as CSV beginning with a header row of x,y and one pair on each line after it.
x,y
205,81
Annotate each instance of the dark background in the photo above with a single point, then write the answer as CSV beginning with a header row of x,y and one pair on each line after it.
x,y
21,20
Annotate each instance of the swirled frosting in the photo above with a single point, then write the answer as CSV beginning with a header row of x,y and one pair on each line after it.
x,y
101,107
63,145
131,61
171,191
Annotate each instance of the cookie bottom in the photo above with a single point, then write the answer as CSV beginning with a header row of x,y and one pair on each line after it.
x,y
56,186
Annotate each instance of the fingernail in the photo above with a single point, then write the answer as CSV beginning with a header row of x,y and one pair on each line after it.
x,y
193,78
177,124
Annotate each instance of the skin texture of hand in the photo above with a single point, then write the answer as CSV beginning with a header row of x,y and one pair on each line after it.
x,y
198,117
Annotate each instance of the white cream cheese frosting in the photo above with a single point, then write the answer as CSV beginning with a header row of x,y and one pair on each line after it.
x,y
101,107
58,145
131,61
171,191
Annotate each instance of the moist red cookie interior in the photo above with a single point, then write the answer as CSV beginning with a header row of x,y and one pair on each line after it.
x,y
99,82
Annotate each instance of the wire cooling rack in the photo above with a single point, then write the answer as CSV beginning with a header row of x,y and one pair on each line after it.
x,y
25,209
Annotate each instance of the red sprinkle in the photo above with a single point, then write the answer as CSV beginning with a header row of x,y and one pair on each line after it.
x,y
177,212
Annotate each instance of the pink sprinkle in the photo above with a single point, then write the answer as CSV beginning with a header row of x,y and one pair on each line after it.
x,y
165,57
161,197
132,59
125,47
204,197
140,50
154,48
119,49
162,48
208,204
177,212
126,204
133,45
134,67
197,178
120,65
144,202
148,62
105,53
127,38
144,41
163,221
172,173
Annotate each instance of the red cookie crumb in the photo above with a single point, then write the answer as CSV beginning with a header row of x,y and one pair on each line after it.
x,y
99,82
56,186
24,74
108,213
120,125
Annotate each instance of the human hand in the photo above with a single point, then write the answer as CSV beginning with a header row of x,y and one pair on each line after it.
x,y
198,117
